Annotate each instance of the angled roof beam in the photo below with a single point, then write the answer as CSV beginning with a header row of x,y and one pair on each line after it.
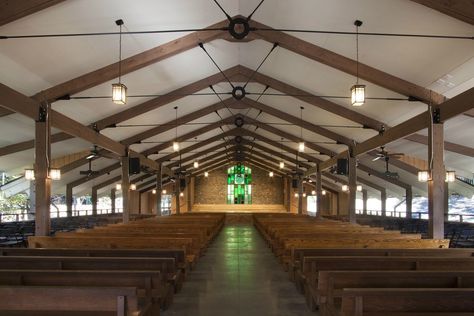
x,y
139,109
449,109
461,9
14,10
20,103
359,179
347,65
346,113
200,154
277,154
190,165
381,176
205,142
190,135
299,122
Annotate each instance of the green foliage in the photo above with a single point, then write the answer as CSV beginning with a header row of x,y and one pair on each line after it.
x,y
13,203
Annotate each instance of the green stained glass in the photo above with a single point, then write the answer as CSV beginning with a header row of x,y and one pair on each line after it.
x,y
239,179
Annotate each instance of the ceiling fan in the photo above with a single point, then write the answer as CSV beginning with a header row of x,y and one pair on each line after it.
x,y
96,153
387,172
89,172
385,154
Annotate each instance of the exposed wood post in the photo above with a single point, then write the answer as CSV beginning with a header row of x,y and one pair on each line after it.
x,y
94,201
300,195
319,193
32,203
188,194
409,202
159,191
125,190
113,192
288,194
42,182
365,197
436,187
383,201
352,188
69,200
177,190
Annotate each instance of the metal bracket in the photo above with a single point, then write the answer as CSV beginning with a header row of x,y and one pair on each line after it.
x,y
436,116
42,113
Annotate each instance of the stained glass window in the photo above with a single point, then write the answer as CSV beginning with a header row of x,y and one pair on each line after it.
x,y
239,185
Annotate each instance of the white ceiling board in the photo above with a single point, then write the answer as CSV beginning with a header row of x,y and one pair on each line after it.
x,y
16,128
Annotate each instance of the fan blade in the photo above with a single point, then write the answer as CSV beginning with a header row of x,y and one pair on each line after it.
x,y
376,158
395,154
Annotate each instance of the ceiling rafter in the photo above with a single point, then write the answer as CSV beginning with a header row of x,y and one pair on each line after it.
x,y
347,65
449,109
462,10
14,10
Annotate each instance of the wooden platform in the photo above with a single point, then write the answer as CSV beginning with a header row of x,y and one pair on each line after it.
x,y
239,208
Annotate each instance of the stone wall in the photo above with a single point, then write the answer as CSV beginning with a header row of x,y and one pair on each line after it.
x,y
213,189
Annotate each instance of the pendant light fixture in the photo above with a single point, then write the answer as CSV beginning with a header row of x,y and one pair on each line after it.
x,y
357,90
301,144
175,143
206,174
196,164
133,187
282,163
118,187
323,192
119,90
270,174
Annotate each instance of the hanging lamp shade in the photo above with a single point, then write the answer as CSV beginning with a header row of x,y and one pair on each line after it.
x,y
282,165
323,192
163,192
206,174
301,147
119,93
196,165
359,188
345,188
423,176
133,187
450,176
358,94
175,146
29,174
118,187
153,191
270,174
55,174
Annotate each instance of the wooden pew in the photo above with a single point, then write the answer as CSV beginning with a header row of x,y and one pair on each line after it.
x,y
94,242
297,255
148,283
407,302
367,263
163,265
384,243
60,300
332,283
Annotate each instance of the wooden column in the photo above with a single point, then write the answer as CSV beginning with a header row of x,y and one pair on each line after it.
x,y
189,204
159,191
409,202
300,195
177,192
352,189
383,202
94,201
32,203
288,194
69,200
113,192
365,197
436,187
42,182
319,193
125,190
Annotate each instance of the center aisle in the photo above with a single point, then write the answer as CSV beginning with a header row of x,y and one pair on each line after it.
x,y
238,275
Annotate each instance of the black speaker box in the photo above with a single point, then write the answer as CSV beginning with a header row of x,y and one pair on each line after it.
x,y
294,183
134,165
182,183
342,167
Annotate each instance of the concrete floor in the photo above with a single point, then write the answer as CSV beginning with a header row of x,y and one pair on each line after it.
x,y
238,275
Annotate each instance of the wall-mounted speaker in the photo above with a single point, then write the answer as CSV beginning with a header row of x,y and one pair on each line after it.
x,y
342,167
294,183
133,165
